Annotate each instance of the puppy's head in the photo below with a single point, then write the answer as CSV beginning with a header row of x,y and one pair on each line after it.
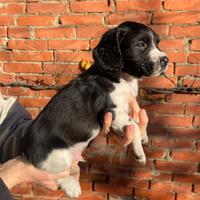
x,y
132,48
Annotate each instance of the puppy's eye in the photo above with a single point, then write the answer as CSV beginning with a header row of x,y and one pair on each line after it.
x,y
140,44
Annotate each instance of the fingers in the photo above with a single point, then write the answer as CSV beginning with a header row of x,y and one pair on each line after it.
x,y
134,107
106,123
52,185
128,135
143,120
41,175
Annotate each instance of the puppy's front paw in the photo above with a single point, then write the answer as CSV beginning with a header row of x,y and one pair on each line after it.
x,y
141,158
145,140
71,187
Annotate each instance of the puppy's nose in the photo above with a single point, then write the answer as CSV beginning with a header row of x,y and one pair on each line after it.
x,y
164,61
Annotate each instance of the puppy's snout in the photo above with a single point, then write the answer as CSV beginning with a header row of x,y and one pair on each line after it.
x,y
164,61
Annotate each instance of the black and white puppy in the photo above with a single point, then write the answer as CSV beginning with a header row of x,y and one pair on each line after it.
x,y
74,115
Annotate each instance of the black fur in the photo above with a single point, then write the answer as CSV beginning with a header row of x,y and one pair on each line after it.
x,y
79,107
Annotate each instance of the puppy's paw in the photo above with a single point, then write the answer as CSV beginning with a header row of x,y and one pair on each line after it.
x,y
71,187
141,158
145,140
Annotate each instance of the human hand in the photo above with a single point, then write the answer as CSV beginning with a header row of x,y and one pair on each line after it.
x,y
135,113
16,171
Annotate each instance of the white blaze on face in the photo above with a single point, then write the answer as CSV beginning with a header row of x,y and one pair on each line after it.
x,y
155,55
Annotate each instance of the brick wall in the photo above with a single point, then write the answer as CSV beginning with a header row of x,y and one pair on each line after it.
x,y
42,43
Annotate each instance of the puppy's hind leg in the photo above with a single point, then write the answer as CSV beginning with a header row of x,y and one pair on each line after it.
x,y
58,161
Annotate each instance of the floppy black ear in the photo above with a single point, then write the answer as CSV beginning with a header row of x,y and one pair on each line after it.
x,y
107,54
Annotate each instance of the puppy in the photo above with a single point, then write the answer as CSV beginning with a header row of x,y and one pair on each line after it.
x,y
75,114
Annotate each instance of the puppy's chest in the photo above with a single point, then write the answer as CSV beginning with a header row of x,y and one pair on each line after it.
x,y
123,92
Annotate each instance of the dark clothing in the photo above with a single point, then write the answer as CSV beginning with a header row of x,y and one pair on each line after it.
x,y
4,192
12,130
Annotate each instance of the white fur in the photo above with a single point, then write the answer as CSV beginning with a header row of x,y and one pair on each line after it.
x,y
121,97
60,160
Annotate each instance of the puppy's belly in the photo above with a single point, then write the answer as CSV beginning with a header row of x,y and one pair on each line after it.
x,y
59,160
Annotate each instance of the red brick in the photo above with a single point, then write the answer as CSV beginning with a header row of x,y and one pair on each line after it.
x,y
42,191
17,32
2,43
32,56
119,190
161,30
188,196
119,18
179,57
3,31
34,112
189,156
194,58
187,133
90,32
73,56
92,196
194,83
22,67
171,44
175,17
170,186
185,31
128,182
180,5
90,6
154,153
5,78
155,82
12,9
27,44
184,98
185,121
35,79
47,8
154,195
86,186
36,20
183,143
187,178
19,91
170,69
6,20
47,93
81,20
180,167
33,103
150,175
61,68
22,190
183,70
54,33
192,109
137,5
112,170
94,43
11,1
197,121
195,45
165,108
197,188
69,44
5,55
